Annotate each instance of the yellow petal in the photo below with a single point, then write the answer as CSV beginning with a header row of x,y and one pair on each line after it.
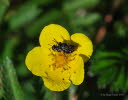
x,y
77,70
37,60
52,34
57,80
85,46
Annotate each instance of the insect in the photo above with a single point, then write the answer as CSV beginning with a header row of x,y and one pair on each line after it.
x,y
63,47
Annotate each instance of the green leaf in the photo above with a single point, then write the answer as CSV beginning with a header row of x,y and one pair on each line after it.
x,y
119,83
104,54
48,95
106,65
37,26
87,20
125,50
102,65
29,89
126,83
1,83
10,45
12,81
3,7
107,77
22,70
75,4
41,2
120,28
23,15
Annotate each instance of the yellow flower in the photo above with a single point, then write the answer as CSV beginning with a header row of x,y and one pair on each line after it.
x,y
59,69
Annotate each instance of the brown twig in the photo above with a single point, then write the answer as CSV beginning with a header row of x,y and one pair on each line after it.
x,y
107,20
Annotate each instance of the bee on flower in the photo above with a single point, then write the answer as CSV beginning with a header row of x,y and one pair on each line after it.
x,y
60,58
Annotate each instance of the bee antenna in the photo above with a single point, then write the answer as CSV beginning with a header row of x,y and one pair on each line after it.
x,y
62,37
55,41
50,44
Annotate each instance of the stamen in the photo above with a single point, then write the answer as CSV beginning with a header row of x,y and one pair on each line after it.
x,y
61,60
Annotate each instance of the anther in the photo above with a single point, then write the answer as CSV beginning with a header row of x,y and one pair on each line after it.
x,y
46,73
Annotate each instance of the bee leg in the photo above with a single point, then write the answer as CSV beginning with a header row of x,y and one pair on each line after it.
x,y
72,59
74,55
64,54
50,44
54,66
51,54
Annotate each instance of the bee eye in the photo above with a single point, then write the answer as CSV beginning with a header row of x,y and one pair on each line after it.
x,y
59,44
54,47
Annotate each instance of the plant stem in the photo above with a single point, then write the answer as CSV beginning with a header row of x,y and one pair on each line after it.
x,y
55,95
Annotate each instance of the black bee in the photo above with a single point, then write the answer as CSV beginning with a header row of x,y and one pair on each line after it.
x,y
63,47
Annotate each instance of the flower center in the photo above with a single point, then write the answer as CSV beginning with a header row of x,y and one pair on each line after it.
x,y
61,59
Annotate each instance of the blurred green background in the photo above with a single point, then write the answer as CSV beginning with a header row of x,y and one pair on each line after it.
x,y
104,21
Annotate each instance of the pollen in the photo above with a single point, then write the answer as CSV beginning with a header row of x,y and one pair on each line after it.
x,y
61,60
